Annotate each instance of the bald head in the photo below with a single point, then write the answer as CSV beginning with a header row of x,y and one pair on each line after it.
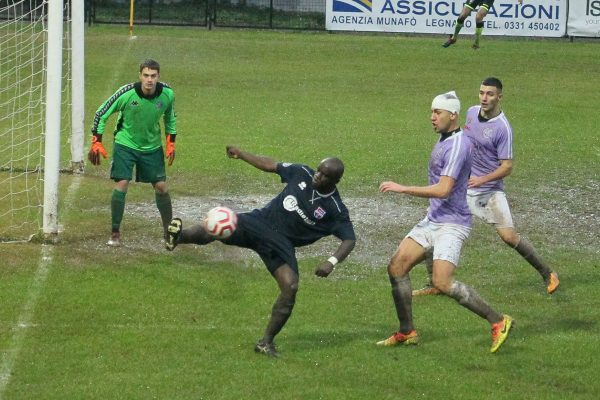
x,y
329,172
334,168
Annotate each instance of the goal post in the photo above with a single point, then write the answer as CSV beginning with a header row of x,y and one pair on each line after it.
x,y
77,84
41,111
53,116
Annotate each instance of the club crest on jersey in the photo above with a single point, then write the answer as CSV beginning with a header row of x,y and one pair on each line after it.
x,y
319,213
487,133
302,185
135,103
159,105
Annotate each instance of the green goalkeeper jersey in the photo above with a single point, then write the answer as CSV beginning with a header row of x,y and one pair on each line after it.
x,y
138,124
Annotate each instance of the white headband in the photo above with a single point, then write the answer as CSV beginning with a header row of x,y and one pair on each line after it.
x,y
447,101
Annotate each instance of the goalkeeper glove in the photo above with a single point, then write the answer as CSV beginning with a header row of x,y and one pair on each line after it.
x,y
170,153
96,149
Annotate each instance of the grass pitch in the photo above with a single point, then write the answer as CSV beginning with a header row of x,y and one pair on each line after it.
x,y
80,320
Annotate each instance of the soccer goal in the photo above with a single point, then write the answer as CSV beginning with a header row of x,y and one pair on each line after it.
x,y
41,110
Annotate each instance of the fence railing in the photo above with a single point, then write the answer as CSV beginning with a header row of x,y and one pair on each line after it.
x,y
269,14
567,17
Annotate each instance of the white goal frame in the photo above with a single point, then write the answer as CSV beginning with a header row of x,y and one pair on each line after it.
x,y
54,62
42,99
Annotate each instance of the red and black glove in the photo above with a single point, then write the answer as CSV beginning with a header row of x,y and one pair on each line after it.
x,y
96,149
170,151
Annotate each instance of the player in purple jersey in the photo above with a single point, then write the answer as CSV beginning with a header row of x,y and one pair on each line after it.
x,y
492,137
307,209
446,227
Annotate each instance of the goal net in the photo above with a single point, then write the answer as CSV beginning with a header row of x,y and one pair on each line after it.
x,y
25,94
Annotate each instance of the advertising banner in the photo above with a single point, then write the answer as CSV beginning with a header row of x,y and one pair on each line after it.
x,y
543,18
584,18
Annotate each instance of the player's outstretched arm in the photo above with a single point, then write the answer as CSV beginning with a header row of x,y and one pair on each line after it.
x,y
389,186
263,163
439,190
340,255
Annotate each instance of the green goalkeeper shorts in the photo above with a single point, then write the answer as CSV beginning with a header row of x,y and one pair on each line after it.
x,y
149,166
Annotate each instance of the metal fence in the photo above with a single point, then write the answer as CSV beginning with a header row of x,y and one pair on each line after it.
x,y
269,14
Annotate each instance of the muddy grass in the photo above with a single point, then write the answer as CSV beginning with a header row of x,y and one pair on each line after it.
x,y
567,218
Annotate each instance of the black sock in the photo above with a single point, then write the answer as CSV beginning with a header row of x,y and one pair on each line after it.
x,y
196,235
402,295
526,250
470,299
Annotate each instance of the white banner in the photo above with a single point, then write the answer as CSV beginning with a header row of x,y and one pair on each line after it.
x,y
584,18
506,17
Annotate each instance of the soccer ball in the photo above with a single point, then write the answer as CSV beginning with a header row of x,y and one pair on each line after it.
x,y
220,222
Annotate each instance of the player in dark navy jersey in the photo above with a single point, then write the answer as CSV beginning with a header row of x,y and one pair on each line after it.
x,y
308,209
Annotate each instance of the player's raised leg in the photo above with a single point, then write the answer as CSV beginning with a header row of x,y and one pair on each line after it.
x,y
176,235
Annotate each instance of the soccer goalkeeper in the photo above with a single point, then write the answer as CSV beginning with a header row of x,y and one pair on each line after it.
x,y
137,141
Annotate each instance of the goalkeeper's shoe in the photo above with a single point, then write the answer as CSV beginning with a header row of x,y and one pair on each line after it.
x,y
267,349
426,290
500,332
449,42
115,240
173,232
400,338
552,283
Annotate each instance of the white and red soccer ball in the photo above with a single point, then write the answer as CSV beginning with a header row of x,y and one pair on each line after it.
x,y
220,222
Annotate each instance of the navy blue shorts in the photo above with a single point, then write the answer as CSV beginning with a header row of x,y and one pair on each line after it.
x,y
254,232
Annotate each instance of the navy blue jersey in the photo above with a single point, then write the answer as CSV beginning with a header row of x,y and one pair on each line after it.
x,y
303,215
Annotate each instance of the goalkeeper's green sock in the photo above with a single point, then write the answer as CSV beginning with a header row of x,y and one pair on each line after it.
x,y
163,202
117,208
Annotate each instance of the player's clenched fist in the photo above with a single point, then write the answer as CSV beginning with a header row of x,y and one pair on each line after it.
x,y
233,152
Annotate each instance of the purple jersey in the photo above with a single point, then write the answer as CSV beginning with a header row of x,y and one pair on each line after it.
x,y
492,142
451,157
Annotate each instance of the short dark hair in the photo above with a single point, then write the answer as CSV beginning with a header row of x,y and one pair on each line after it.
x,y
491,81
150,64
